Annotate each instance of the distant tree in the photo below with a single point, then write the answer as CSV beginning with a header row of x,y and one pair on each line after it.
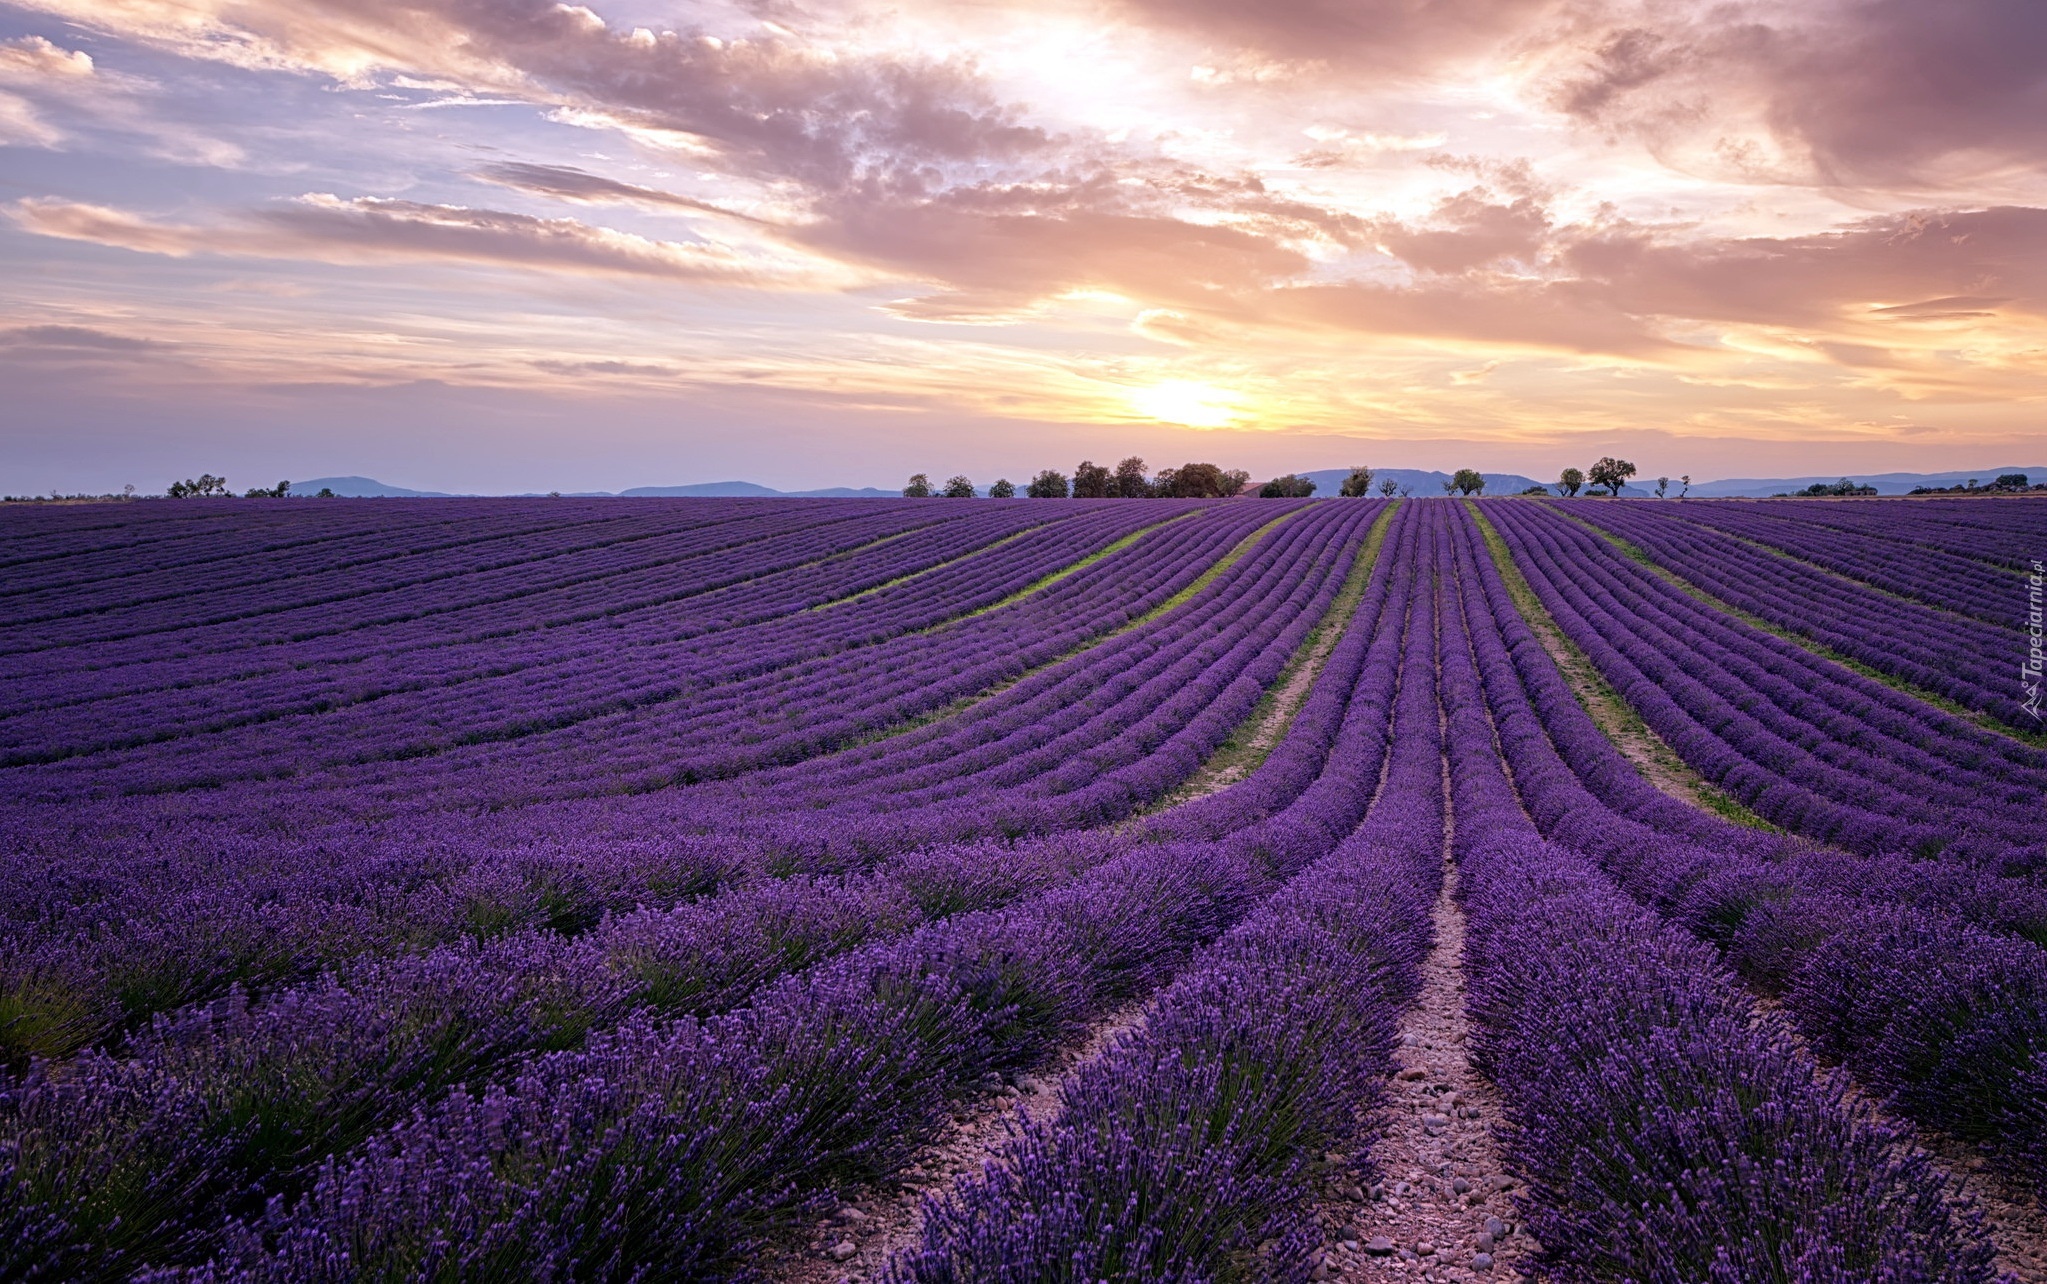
x,y
1130,482
207,485
279,491
1050,484
1686,482
1449,485
1536,490
2010,481
1358,485
1468,481
1612,473
1570,480
1234,482
1662,485
1406,490
1198,481
326,492
1388,486
128,491
958,487
1842,487
1972,483
1002,489
1290,486
919,487
1092,481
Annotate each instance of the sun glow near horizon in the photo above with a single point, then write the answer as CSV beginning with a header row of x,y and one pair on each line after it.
x,y
1189,403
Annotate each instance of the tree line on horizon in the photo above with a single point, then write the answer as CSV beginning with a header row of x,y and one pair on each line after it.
x,y
1127,480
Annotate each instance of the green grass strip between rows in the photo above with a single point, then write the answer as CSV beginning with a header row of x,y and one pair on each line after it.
x,y
1610,711
1973,717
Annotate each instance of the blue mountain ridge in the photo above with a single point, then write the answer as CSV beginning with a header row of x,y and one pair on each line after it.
x,y
1417,482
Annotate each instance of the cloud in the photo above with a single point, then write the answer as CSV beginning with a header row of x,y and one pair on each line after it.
x,y
1535,316
34,58
570,184
1888,270
75,337
36,67
985,246
1866,92
330,229
770,105
1398,36
1470,230
21,124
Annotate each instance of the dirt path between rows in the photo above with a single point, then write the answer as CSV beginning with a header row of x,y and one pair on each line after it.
x,y
850,1245
1442,1208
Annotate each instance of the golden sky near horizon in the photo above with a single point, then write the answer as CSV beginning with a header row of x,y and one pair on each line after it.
x,y
513,244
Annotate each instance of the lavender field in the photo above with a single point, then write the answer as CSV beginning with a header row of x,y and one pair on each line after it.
x,y
947,890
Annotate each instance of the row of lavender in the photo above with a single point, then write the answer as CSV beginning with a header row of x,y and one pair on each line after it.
x,y
1947,621
1924,979
1971,569
532,668
106,942
221,1107
1666,1129
661,1146
1807,744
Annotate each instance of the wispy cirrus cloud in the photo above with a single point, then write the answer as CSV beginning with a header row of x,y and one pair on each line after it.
x,y
331,229
565,182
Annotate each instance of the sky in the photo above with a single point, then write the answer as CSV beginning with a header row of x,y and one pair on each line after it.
x,y
504,245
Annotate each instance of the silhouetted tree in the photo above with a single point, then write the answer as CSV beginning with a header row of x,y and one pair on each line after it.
x,y
1130,482
1050,484
1449,485
279,491
1468,481
1686,482
1662,485
1570,480
958,488
1358,485
1842,487
919,487
1199,481
1612,473
2010,481
1537,489
1092,481
1002,489
206,485
326,492
1406,490
1290,486
1388,486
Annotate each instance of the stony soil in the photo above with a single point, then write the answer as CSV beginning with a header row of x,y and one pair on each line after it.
x,y
1442,1208
850,1245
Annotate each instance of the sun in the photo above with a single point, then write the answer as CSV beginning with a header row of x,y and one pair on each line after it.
x,y
1184,401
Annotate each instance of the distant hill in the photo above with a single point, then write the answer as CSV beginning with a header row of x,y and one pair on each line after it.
x,y
701,490
362,488
1421,482
1885,483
